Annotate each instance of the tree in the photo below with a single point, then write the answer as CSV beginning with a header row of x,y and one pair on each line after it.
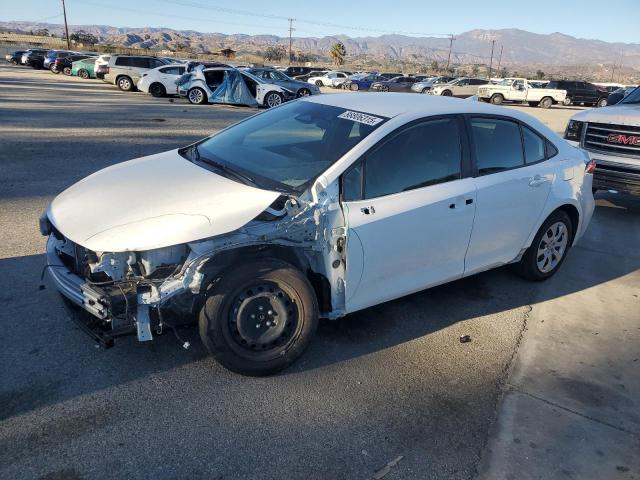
x,y
474,71
503,72
435,67
275,53
539,74
83,37
338,52
43,32
228,53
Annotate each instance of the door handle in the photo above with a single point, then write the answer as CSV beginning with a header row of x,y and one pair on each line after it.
x,y
368,210
537,181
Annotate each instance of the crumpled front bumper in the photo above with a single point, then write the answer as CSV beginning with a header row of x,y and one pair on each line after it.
x,y
74,287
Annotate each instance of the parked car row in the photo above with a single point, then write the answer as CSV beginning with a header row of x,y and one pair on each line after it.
x,y
198,82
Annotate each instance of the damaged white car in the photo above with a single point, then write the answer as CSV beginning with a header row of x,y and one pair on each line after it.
x,y
314,209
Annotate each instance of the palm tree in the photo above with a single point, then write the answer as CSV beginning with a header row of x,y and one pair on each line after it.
x,y
338,52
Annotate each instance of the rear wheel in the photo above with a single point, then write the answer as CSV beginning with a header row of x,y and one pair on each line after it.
x,y
546,102
548,249
497,99
446,93
319,83
567,101
157,90
67,71
197,96
83,73
259,317
125,84
602,102
273,99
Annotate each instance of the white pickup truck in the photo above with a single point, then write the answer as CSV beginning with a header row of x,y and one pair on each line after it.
x,y
611,137
520,90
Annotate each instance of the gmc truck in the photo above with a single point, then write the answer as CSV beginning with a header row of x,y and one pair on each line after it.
x,y
611,137
520,90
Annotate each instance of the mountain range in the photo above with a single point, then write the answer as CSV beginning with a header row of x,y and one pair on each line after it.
x,y
519,47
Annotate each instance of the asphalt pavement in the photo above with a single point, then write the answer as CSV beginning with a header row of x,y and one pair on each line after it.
x,y
391,384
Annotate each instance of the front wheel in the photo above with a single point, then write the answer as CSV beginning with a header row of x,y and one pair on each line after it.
x,y
497,99
354,87
601,103
447,93
259,317
319,83
196,96
303,92
157,90
272,99
125,84
548,249
567,101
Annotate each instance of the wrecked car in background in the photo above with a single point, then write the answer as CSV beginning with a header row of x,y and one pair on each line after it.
x,y
317,208
228,85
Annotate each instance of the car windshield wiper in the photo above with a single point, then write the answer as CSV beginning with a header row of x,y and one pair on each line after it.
x,y
228,171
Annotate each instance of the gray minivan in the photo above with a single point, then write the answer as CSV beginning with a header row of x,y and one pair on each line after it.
x,y
125,70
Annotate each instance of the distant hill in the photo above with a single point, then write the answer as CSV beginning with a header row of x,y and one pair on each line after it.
x,y
520,47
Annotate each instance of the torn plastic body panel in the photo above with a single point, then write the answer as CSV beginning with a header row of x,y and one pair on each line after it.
x,y
132,292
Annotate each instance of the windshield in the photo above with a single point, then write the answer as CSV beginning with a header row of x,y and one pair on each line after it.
x,y
286,148
633,97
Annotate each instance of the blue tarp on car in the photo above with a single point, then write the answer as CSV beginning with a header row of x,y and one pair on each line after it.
x,y
233,90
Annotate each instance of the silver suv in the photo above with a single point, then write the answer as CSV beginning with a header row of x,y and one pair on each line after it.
x,y
125,70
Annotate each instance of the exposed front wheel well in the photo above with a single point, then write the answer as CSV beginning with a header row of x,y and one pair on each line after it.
x,y
227,259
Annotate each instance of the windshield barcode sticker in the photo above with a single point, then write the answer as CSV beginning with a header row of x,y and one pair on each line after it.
x,y
360,117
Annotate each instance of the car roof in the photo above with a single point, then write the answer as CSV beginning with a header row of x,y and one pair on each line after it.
x,y
396,104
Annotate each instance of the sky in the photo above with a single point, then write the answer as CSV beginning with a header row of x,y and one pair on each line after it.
x,y
580,18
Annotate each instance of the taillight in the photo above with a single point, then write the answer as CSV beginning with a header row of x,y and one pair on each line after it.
x,y
106,69
591,167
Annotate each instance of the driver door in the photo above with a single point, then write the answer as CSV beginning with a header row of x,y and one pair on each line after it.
x,y
409,210
518,91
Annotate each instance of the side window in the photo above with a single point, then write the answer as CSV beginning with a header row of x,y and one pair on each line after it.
x,y
352,184
421,155
534,146
463,83
172,70
478,81
123,61
497,145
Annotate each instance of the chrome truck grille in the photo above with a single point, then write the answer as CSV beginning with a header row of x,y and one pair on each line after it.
x,y
623,140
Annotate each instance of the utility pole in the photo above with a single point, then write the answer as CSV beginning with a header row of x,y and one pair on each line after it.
x,y
500,59
493,43
291,29
451,39
66,27
613,70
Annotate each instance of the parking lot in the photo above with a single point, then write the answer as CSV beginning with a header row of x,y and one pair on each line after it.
x,y
389,383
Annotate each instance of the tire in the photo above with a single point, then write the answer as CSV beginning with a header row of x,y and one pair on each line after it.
x,y
319,83
273,99
354,87
447,93
124,83
567,101
235,321
425,91
546,102
157,90
497,99
540,266
533,104
197,96
54,69
83,73
602,102
67,71
303,92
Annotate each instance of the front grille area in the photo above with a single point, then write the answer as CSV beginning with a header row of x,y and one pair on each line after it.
x,y
613,139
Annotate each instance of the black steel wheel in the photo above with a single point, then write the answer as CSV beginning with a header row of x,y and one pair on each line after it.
x,y
157,90
259,318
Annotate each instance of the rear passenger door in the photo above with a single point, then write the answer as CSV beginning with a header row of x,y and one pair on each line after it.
x,y
409,208
513,181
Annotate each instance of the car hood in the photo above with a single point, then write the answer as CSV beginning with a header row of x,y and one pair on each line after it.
x,y
153,202
618,114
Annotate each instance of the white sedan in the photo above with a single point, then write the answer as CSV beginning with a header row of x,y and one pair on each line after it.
x,y
161,81
329,79
318,208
